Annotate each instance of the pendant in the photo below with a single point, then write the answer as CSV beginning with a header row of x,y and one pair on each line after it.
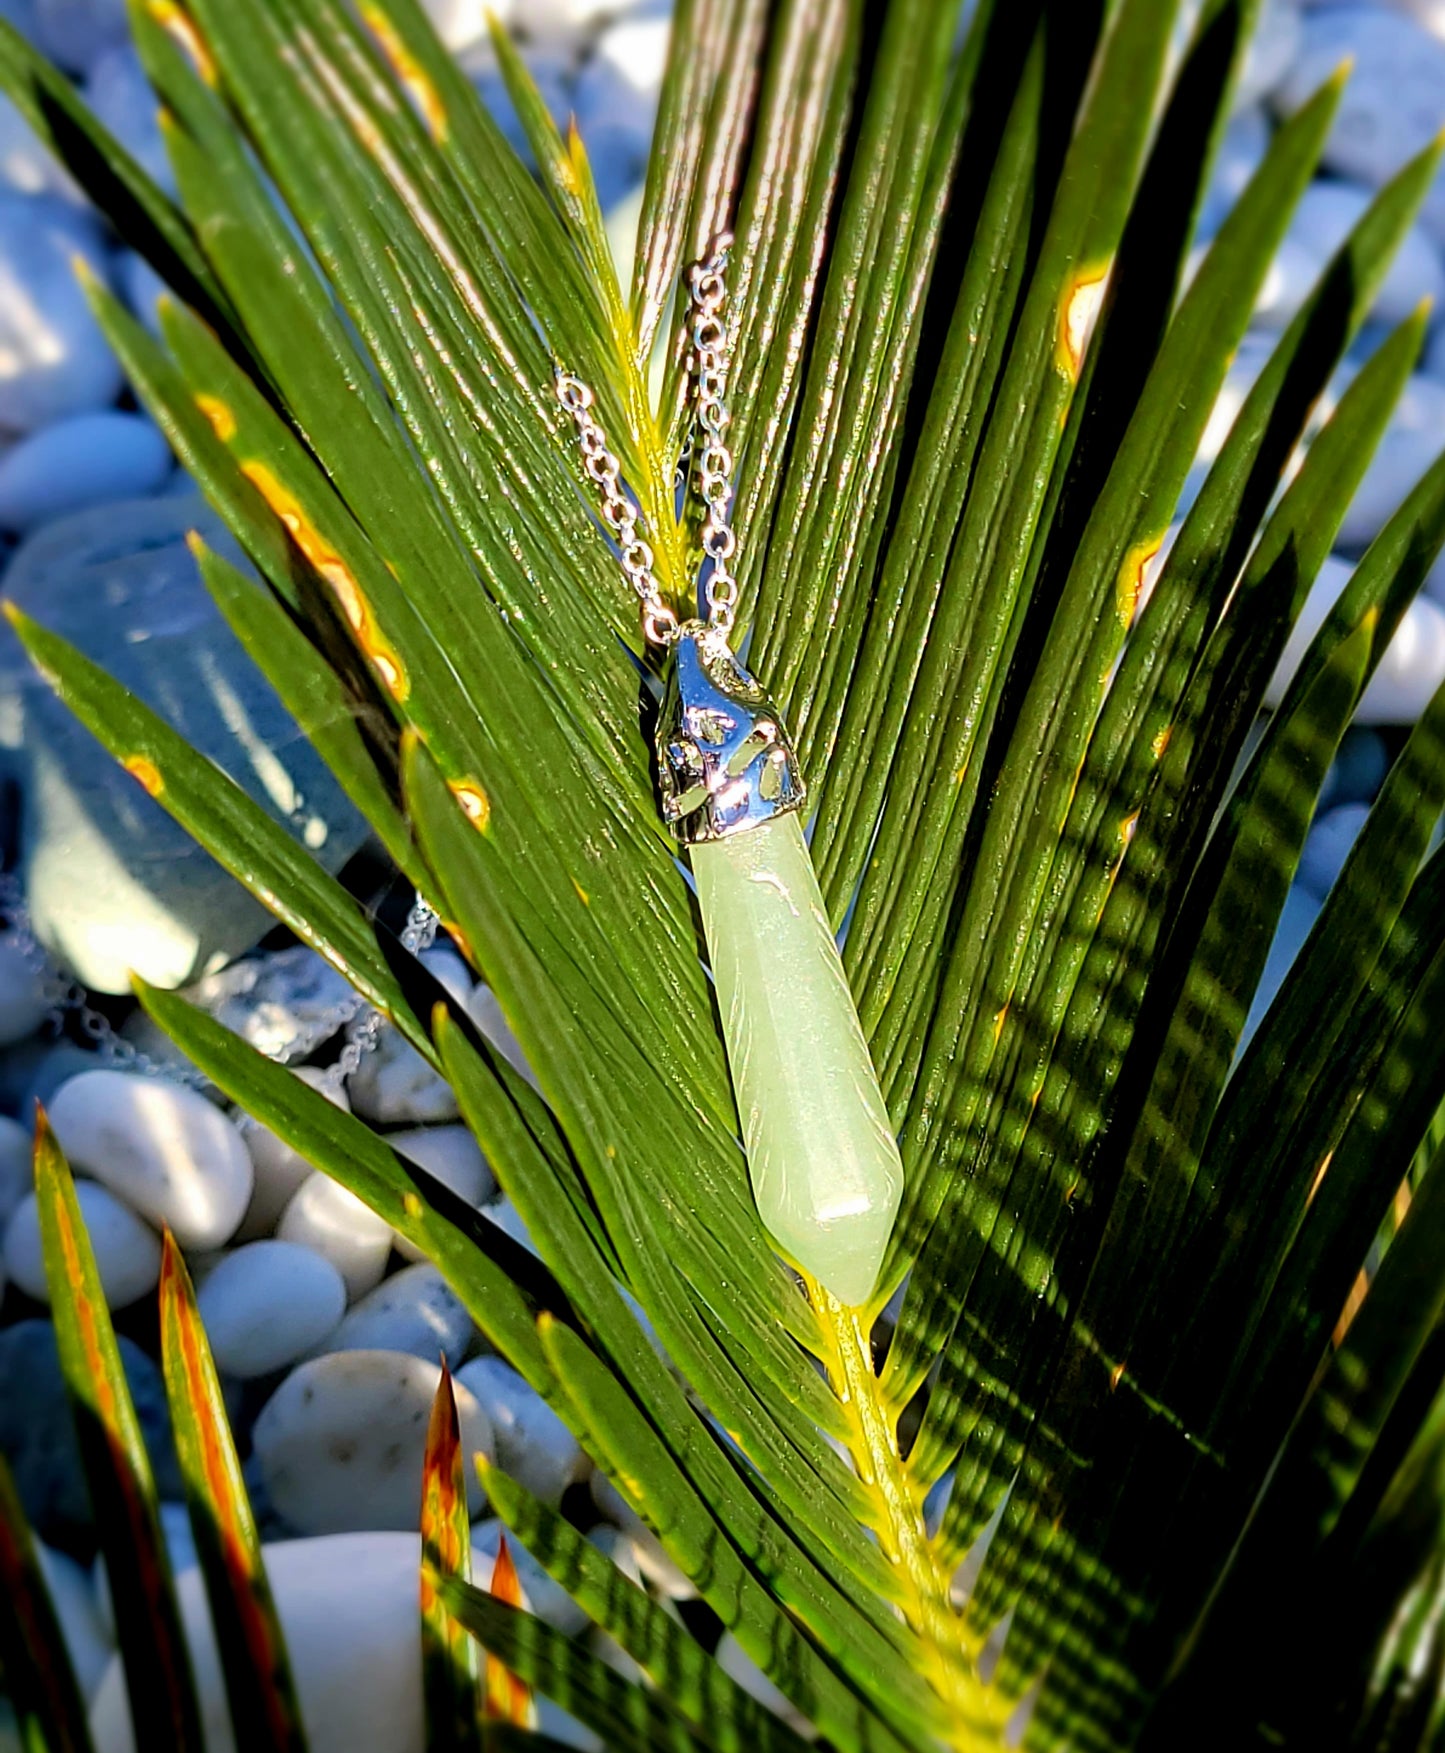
x,y
825,1168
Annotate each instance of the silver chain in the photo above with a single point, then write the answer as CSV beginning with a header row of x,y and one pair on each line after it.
x,y
711,358
708,367
65,996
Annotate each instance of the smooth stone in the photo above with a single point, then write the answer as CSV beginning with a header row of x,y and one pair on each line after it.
x,y
162,1148
540,1595
113,884
284,1003
415,1311
1412,441
88,459
486,1013
652,1560
267,1304
142,289
1278,36
23,1003
508,1219
16,1174
1410,671
127,1251
454,1157
450,971
739,1666
347,1606
77,32
1296,921
180,1547
324,1216
616,102
1394,100
33,1069
1250,359
279,1168
27,166
1328,845
1326,215
533,1444
37,1431
341,1441
1359,769
117,89
1429,14
395,1086
1241,152
54,360
89,1647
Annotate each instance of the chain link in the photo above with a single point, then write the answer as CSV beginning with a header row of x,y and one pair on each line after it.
x,y
708,366
710,363
65,997
618,511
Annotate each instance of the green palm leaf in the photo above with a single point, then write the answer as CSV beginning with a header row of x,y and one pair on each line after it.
x,y
966,396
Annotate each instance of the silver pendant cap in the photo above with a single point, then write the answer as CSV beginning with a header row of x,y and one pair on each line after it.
x,y
724,760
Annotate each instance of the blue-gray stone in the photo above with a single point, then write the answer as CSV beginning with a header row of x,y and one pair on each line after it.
x,y
1359,770
37,1432
112,883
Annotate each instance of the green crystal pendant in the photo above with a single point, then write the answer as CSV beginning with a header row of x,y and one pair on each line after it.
x,y
824,1163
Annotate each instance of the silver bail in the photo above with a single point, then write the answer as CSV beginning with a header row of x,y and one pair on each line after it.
x,y
723,758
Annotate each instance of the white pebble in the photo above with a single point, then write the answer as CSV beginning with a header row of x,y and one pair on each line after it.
x,y
508,1219
76,32
325,1216
652,1560
86,1642
267,1304
347,1606
180,1543
1326,215
118,91
1413,439
1276,42
127,1251
279,1170
1328,845
26,165
453,1156
414,1310
486,1013
340,1443
160,1147
739,1666
540,1595
447,967
54,360
1410,671
533,1444
1407,675
142,289
16,1174
395,1086
1301,909
85,460
1394,101
22,1003
1241,152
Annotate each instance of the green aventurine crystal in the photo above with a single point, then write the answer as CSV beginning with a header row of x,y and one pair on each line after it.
x,y
825,1167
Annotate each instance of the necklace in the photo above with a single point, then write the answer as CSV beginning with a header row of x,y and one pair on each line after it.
x,y
822,1157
